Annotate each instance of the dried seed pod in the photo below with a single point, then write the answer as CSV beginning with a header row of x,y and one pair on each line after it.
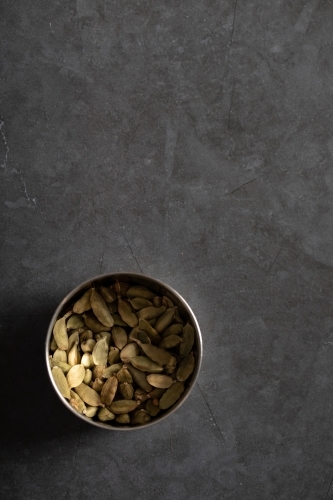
x,y
175,329
61,382
124,375
139,378
60,355
108,294
151,408
126,313
139,303
87,360
157,354
97,385
188,340
165,319
145,364
108,337
90,411
74,357
178,319
123,406
100,309
97,371
157,302
113,356
104,415
100,352
171,341
83,304
119,337
140,291
140,395
72,340
186,367
137,334
126,390
86,335
88,377
75,321
118,321
172,395
110,370
120,287
167,302
75,376
128,352
140,417
156,394
93,324
124,418
88,395
159,381
53,345
76,402
60,333
65,367
88,345
113,308
151,332
109,390
150,312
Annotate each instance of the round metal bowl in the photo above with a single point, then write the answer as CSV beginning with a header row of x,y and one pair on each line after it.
x,y
161,289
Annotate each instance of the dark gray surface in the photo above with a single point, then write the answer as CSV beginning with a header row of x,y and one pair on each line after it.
x,y
192,141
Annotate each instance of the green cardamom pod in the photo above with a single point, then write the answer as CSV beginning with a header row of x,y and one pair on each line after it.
x,y
188,340
76,402
113,356
104,415
124,375
186,367
100,309
60,355
60,381
126,390
151,332
145,364
159,381
110,370
109,390
175,329
171,341
150,312
93,324
100,352
108,294
140,417
75,376
126,314
119,336
83,304
128,352
140,291
123,406
123,418
139,378
75,321
172,395
60,333
88,395
139,303
165,319
152,409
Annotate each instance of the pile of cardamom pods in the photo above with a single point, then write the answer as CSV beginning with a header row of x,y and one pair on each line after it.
x,y
122,354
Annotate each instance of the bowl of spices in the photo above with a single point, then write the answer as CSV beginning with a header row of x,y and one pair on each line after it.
x,y
123,351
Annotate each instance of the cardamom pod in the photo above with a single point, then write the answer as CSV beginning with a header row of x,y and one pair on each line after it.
x,y
140,291
152,409
83,304
90,411
97,385
124,418
76,402
151,332
123,406
167,302
136,333
126,314
88,345
120,287
113,356
60,355
75,376
171,341
74,357
86,335
75,321
118,321
97,371
150,312
73,339
87,360
88,376
128,352
109,390
65,367
140,395
159,381
108,294
157,354
175,329
53,345
124,375
139,303
119,336
113,308
60,381
88,395
104,415
165,319
145,364
110,370
172,395
139,378
93,324
188,340
100,309
140,417
60,333
126,390
100,352
157,301
186,367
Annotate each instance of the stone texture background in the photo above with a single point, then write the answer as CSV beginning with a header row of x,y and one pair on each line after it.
x,y
191,141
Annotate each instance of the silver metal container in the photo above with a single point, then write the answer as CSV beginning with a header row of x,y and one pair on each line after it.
x,y
161,289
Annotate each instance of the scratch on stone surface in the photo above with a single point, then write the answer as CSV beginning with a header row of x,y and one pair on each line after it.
x,y
231,36
329,489
170,439
273,261
237,188
170,146
74,462
4,164
231,98
101,261
129,246
304,18
211,413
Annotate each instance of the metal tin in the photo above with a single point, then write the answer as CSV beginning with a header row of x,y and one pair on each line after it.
x,y
161,289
